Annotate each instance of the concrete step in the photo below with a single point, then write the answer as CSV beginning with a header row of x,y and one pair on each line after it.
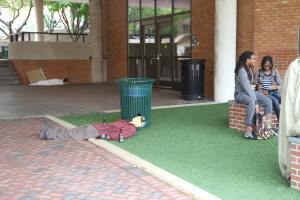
x,y
8,77
6,69
9,82
2,61
8,72
6,65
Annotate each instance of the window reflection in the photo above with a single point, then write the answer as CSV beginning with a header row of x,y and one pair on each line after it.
x,y
149,40
134,50
163,7
147,8
133,10
134,41
165,52
165,32
182,5
182,41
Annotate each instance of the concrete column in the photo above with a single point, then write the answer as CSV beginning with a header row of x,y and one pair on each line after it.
x,y
96,41
39,18
225,49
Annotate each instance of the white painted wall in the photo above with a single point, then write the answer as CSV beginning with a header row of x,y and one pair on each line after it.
x,y
98,73
39,19
49,51
225,49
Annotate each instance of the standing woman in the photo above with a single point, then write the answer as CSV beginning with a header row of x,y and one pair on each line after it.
x,y
244,90
269,82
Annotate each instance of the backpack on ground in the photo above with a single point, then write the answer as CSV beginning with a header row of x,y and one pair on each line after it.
x,y
262,127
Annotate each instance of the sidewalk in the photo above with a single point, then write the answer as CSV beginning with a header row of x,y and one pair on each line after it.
x,y
23,101
31,168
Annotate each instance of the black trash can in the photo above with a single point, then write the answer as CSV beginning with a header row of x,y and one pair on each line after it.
x,y
192,79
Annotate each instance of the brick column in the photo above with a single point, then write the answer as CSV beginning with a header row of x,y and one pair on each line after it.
x,y
295,162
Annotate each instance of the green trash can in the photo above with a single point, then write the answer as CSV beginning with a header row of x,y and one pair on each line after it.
x,y
136,97
4,52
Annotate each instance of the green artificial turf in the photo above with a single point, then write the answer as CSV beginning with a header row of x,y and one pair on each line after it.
x,y
196,144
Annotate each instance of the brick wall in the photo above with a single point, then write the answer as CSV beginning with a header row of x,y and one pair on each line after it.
x,y
78,71
276,31
203,24
295,166
245,24
115,38
237,116
269,28
263,26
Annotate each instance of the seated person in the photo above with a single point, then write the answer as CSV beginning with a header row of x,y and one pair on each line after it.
x,y
269,82
109,131
244,90
64,81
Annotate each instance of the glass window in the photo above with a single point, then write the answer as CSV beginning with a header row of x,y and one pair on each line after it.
x,y
182,5
147,8
149,40
165,35
134,40
182,35
163,7
133,10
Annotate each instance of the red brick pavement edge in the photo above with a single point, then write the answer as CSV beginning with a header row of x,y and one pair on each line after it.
x,y
31,168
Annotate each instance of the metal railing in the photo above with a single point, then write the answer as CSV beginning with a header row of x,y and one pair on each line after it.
x,y
15,37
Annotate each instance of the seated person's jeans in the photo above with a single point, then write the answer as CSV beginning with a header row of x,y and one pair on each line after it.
x,y
263,101
275,94
276,101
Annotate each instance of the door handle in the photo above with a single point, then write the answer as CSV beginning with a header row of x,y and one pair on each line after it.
x,y
158,57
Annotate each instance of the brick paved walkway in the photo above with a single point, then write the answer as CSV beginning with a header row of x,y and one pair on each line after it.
x,y
32,169
22,101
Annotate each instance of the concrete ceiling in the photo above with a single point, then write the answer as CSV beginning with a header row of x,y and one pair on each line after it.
x,y
75,1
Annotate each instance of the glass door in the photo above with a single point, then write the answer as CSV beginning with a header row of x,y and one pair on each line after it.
x,y
149,52
158,53
159,37
164,55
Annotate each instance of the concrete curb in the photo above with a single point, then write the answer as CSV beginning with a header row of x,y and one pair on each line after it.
x,y
163,175
60,122
172,106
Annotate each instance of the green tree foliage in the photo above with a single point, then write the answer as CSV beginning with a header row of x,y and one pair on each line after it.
x,y
15,8
133,13
74,16
50,21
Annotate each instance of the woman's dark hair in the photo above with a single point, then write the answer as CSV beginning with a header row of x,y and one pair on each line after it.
x,y
265,60
65,80
242,61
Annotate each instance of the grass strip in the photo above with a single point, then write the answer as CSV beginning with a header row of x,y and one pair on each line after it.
x,y
196,144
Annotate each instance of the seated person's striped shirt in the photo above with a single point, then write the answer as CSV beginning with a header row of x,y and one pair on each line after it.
x,y
266,83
